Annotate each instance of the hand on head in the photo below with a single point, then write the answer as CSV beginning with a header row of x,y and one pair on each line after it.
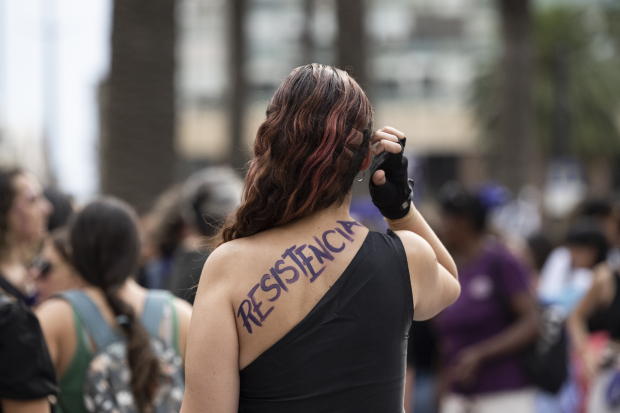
x,y
385,139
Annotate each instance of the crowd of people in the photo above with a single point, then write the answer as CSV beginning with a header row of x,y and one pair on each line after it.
x,y
96,301
50,246
518,296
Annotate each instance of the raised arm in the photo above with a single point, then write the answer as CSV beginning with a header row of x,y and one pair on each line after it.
x,y
434,277
212,356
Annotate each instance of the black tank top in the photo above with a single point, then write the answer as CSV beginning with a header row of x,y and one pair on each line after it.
x,y
608,319
349,353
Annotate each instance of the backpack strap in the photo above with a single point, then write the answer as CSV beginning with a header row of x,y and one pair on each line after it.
x,y
90,315
153,310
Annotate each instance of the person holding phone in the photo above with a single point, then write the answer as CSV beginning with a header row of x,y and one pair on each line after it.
x,y
301,308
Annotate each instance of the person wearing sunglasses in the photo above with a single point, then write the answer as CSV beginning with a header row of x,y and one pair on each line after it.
x,y
52,270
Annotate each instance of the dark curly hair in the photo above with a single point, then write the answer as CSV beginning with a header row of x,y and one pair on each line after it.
x,y
7,196
306,153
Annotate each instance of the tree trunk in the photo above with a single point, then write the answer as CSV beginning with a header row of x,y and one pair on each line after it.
x,y
138,119
239,152
307,38
352,40
512,152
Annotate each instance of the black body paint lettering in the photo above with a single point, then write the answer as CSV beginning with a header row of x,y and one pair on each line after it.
x,y
341,232
258,305
289,253
306,261
289,268
322,253
247,317
348,224
330,246
267,288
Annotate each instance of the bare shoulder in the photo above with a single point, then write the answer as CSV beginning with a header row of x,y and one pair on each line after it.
x,y
221,264
433,287
418,250
53,315
184,309
54,310
603,281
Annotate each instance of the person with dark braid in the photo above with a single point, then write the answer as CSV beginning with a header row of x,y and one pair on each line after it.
x,y
300,308
105,248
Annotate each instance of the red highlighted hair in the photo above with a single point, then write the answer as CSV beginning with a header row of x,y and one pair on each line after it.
x,y
306,153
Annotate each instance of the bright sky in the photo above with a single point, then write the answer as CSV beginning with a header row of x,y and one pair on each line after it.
x,y
53,53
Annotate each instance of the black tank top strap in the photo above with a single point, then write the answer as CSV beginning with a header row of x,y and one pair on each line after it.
x,y
348,354
613,321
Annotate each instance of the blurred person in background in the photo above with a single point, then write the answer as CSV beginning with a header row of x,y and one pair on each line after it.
x,y
53,271
27,375
585,247
105,248
208,196
493,320
161,231
422,369
538,248
608,219
599,310
62,208
327,331
23,224
559,265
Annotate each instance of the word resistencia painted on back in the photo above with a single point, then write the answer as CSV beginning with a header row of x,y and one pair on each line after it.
x,y
295,261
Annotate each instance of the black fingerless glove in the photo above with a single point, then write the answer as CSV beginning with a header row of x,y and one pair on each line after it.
x,y
394,197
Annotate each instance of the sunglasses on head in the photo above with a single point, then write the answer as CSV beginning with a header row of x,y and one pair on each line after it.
x,y
44,267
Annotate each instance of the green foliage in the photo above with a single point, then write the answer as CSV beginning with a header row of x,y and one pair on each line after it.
x,y
590,38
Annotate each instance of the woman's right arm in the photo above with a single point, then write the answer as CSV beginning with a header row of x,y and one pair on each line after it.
x,y
212,355
434,277
415,222
433,274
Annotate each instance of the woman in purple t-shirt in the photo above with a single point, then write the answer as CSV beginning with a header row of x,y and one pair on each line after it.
x,y
494,318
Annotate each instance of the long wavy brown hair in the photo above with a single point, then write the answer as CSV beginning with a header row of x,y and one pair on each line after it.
x,y
306,153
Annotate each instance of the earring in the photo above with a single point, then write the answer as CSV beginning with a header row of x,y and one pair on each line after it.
x,y
363,174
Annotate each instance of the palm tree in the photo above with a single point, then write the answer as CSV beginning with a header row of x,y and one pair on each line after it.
x,y
511,154
138,109
351,43
576,89
238,46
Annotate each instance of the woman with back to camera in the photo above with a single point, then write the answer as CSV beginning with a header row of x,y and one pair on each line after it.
x,y
105,248
300,308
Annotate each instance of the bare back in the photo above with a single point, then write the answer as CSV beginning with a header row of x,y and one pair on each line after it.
x,y
253,291
282,275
